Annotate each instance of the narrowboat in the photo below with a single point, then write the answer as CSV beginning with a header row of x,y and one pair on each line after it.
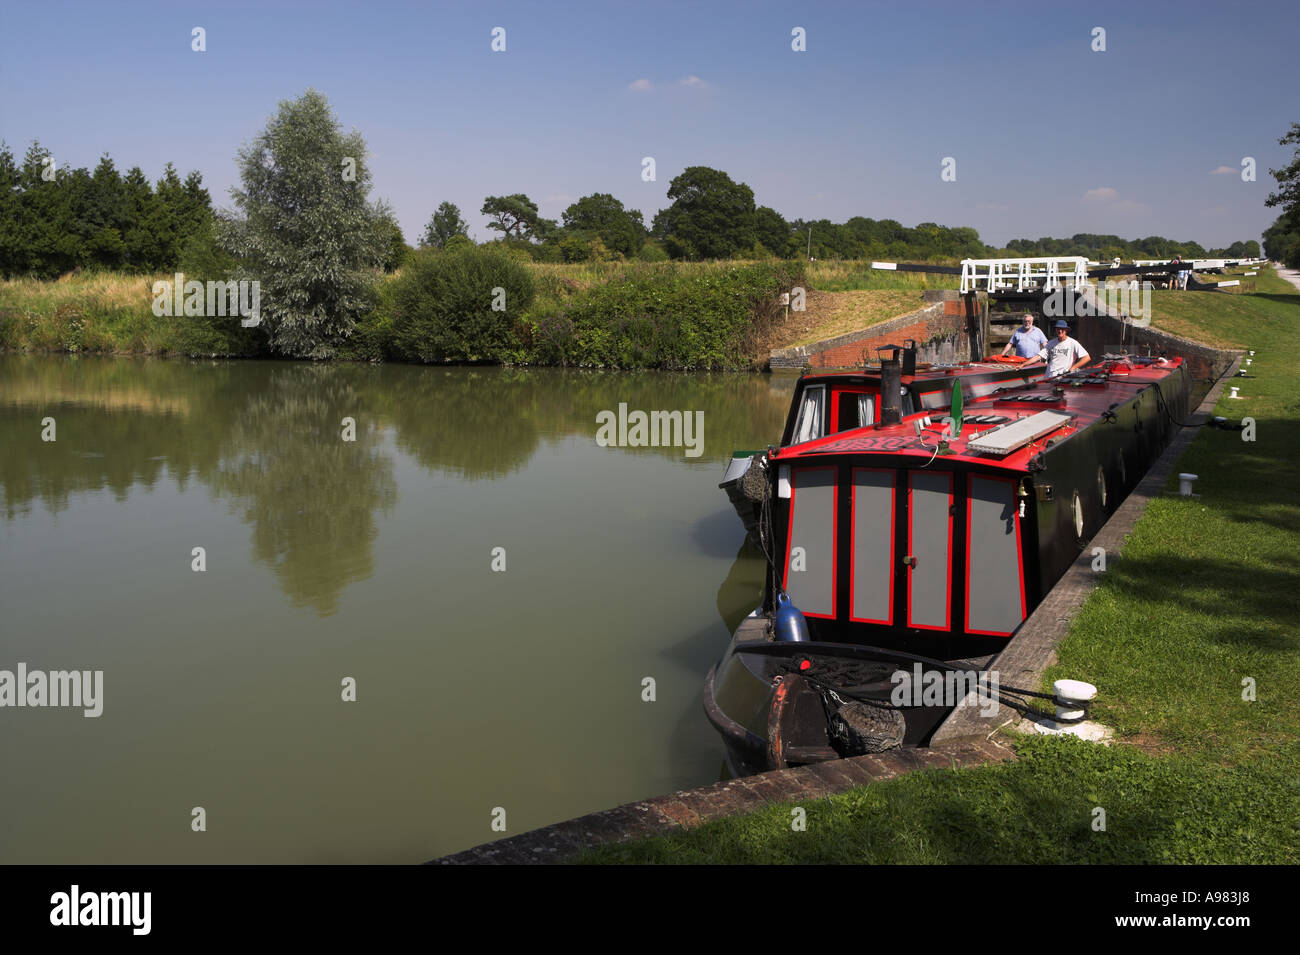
x,y
830,402
923,540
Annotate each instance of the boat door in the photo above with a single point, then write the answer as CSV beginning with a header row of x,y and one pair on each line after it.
x,y
927,561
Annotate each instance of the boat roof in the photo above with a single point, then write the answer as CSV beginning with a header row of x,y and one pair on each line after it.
x,y
933,373
1005,429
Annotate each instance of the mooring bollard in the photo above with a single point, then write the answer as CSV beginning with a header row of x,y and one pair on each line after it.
x,y
1185,484
1234,392
1071,698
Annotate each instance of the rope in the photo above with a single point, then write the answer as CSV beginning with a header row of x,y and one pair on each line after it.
x,y
1018,705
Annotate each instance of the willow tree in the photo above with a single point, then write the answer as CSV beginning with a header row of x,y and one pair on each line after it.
x,y
305,228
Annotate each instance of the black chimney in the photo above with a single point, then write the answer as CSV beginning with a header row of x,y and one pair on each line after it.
x,y
891,388
909,356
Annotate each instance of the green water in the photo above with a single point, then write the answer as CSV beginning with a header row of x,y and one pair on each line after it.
x,y
369,559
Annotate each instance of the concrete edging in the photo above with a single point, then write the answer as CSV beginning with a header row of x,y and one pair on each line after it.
x,y
690,808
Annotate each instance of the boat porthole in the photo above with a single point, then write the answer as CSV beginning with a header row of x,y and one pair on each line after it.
x,y
1078,516
1101,484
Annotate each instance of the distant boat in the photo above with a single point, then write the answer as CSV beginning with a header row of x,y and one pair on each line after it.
x,y
931,539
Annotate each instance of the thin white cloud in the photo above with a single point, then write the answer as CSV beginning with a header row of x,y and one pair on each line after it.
x,y
1222,171
640,86
1129,205
1101,194
694,82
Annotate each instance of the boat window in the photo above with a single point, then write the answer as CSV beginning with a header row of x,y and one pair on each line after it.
x,y
866,410
810,559
809,425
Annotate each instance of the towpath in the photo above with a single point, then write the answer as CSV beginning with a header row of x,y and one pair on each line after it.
x,y
1291,275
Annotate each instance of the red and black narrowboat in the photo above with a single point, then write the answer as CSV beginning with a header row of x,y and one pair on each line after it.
x,y
826,403
928,538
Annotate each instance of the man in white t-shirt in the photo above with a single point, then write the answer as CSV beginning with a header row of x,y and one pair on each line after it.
x,y
1062,355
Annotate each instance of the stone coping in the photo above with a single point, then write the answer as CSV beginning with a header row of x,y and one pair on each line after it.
x,y
689,808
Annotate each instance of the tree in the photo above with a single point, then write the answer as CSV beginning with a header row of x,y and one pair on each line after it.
x,y
306,229
10,241
1288,197
601,216
516,217
773,232
711,217
392,243
143,252
446,222
48,239
1282,241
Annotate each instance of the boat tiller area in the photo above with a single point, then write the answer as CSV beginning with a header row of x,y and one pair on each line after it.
x,y
1009,437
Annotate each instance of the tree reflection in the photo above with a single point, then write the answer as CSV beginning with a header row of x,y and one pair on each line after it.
x,y
309,495
266,437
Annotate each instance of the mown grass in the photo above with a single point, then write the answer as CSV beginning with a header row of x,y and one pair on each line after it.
x,y
1200,609
1038,810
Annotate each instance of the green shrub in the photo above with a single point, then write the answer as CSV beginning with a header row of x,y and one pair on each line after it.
x,y
219,337
652,251
373,337
653,316
443,305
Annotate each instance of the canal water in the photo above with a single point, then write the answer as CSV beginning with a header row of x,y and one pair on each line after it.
x,y
498,588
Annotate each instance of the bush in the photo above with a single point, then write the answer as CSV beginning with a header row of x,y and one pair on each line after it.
x,y
652,252
666,317
373,337
443,305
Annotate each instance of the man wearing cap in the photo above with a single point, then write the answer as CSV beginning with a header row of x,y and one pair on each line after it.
x,y
1062,355
1027,340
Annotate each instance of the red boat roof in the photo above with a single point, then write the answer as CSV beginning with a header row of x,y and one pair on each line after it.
x,y
1076,400
925,374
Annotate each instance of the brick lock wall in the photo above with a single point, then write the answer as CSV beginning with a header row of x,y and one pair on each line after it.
x,y
942,330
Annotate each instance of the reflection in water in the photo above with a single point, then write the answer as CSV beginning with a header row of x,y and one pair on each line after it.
x,y
471,422
742,591
267,438
310,495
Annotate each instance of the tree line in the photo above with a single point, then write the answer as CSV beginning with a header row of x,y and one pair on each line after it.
x,y
54,219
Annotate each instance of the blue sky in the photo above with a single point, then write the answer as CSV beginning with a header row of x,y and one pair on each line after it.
x,y
1049,137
